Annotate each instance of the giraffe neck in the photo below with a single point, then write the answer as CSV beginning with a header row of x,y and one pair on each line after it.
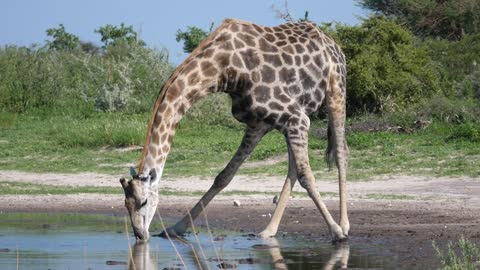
x,y
177,98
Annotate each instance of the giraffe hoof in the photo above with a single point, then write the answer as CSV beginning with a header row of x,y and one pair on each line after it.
x,y
337,240
338,235
345,228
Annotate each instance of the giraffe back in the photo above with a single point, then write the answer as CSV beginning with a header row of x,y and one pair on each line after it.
x,y
271,73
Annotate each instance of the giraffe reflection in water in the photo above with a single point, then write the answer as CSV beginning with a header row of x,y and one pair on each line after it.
x,y
142,259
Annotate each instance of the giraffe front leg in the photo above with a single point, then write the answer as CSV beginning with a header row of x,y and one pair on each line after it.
x,y
272,227
252,136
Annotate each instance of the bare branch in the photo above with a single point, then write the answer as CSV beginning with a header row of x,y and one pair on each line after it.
x,y
283,14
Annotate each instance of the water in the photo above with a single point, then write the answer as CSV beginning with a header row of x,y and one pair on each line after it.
x,y
58,246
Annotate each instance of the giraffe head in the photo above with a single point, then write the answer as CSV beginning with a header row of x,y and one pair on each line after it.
x,y
141,199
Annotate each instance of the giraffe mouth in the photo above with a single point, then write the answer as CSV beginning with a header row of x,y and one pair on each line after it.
x,y
140,234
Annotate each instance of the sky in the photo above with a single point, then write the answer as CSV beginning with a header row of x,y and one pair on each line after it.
x,y
24,21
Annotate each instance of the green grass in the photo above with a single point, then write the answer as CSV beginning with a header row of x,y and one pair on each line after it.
x,y
61,143
70,222
460,255
379,196
63,221
15,188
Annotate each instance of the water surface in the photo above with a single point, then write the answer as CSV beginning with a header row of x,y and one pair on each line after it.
x,y
65,244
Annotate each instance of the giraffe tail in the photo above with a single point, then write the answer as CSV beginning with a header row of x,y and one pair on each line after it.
x,y
329,153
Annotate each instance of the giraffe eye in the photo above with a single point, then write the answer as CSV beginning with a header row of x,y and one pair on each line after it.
x,y
144,203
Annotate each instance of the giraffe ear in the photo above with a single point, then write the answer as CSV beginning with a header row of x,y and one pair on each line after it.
x,y
124,183
153,175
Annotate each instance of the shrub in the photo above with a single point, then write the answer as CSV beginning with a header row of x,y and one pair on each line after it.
x,y
461,61
468,131
214,109
36,78
386,68
448,110
462,255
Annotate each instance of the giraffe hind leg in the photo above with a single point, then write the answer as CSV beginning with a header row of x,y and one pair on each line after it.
x,y
338,149
298,140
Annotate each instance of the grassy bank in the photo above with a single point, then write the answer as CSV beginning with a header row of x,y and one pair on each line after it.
x,y
110,142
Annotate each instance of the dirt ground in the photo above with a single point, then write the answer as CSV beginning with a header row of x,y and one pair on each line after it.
x,y
421,209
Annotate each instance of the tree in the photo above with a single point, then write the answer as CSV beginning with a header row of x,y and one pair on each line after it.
x,y
62,40
449,19
119,35
192,37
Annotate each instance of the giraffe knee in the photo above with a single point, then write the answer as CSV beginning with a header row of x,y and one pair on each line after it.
x,y
304,182
220,182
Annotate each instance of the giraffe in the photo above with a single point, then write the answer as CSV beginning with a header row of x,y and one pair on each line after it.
x,y
276,77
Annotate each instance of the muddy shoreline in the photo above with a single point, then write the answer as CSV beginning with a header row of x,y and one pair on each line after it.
x,y
435,209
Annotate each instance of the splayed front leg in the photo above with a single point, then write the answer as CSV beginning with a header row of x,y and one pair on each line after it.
x,y
252,136
272,227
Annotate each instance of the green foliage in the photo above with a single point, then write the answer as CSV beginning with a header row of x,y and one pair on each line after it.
x,y
386,68
449,19
459,57
80,82
467,131
192,37
461,60
447,110
28,78
89,47
64,143
461,255
122,35
99,130
62,40
214,109
131,83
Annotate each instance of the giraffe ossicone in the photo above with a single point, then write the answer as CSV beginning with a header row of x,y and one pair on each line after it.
x,y
276,77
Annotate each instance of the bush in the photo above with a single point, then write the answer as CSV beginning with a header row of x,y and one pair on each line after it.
x,y
386,68
468,131
37,78
132,82
448,110
461,61
460,58
214,109
27,79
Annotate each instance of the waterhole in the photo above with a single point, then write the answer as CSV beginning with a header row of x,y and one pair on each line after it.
x,y
71,241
